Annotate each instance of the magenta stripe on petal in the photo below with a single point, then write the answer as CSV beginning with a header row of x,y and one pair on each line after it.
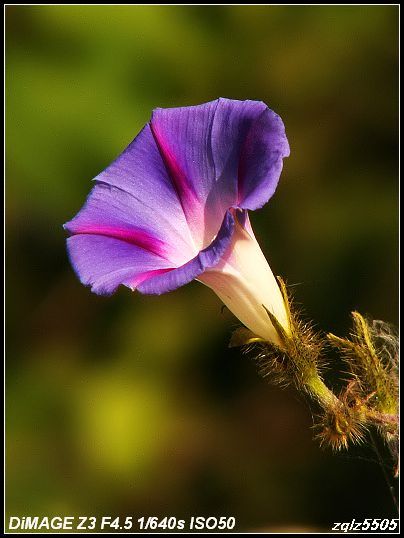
x,y
184,189
136,237
144,276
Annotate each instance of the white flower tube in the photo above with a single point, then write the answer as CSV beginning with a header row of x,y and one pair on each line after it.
x,y
245,283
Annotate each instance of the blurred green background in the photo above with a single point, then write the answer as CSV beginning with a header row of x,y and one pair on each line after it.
x,y
133,405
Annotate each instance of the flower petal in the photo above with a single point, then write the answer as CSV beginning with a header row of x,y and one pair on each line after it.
x,y
206,259
106,262
110,211
139,178
183,136
261,160
222,154
248,145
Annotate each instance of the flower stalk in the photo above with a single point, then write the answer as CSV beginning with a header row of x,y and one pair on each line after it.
x,y
370,395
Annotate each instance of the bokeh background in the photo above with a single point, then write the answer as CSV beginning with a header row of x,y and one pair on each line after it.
x,y
134,405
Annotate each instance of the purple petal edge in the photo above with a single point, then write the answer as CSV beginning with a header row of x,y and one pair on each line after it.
x,y
206,258
104,262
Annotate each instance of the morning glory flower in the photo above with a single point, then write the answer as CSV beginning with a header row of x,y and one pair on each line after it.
x,y
173,207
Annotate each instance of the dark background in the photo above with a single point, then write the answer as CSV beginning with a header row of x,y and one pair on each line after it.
x,y
134,405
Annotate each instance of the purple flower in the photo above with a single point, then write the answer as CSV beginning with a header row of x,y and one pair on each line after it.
x,y
173,208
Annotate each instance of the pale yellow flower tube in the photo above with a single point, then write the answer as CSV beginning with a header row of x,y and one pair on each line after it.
x,y
244,282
